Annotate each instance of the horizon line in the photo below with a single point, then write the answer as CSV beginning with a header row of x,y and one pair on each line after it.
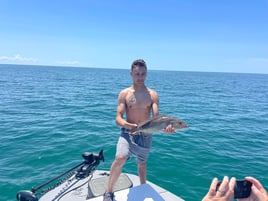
x,y
118,68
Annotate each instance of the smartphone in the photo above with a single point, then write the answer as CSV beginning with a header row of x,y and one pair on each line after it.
x,y
242,188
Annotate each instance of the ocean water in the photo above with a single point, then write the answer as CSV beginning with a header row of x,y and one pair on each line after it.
x,y
49,116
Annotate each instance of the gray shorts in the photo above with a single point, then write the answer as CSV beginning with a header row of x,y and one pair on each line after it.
x,y
136,145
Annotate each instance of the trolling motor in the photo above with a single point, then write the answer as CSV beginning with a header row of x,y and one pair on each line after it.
x,y
91,161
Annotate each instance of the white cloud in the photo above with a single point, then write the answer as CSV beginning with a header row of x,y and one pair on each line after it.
x,y
18,59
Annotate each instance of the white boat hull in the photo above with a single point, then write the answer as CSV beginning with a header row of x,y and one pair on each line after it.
x,y
127,188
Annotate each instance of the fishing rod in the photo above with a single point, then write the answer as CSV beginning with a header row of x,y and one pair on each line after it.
x,y
91,161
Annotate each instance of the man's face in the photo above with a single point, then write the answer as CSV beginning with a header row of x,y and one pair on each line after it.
x,y
138,74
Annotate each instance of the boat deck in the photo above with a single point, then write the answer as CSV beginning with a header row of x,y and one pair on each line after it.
x,y
127,188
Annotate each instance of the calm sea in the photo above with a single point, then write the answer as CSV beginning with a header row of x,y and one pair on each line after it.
x,y
50,115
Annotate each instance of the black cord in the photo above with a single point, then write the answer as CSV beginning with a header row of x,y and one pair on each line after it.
x,y
76,187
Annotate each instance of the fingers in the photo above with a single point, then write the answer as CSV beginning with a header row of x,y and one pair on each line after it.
x,y
257,190
230,193
232,184
224,186
133,127
256,183
135,133
212,191
169,129
258,195
213,187
224,191
221,191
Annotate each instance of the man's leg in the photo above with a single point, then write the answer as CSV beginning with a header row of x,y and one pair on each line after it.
x,y
115,172
142,172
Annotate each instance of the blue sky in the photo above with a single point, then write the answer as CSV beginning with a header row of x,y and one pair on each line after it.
x,y
183,35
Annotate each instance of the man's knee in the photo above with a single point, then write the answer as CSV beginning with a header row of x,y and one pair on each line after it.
x,y
120,160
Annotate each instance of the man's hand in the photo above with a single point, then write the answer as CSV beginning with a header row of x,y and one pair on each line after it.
x,y
169,129
130,126
225,192
257,191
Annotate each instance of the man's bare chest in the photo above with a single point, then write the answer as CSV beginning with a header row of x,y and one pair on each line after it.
x,y
138,100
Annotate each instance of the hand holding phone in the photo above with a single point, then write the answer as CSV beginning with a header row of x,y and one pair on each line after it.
x,y
242,188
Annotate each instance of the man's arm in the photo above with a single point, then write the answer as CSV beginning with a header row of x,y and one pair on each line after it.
x,y
121,108
155,103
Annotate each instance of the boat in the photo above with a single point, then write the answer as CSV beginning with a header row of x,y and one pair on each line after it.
x,y
85,183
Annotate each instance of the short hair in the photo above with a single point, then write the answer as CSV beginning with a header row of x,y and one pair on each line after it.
x,y
140,63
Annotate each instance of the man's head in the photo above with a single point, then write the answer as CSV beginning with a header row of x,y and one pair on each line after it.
x,y
139,63
138,71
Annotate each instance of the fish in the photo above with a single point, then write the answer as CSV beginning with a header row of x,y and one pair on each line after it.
x,y
159,123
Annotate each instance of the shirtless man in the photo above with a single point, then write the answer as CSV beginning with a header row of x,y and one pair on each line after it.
x,y
138,102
